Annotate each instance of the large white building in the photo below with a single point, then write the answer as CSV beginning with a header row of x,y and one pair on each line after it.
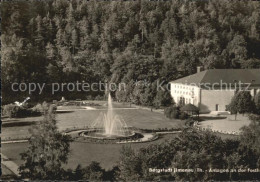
x,y
212,90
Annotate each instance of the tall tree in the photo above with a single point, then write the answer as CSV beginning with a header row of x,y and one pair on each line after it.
x,y
241,103
48,150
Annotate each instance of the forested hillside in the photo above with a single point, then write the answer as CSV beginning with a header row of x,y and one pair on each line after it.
x,y
78,40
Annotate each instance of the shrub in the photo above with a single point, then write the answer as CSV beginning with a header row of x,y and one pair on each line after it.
x,y
257,103
10,110
99,97
14,111
41,108
183,116
189,122
172,112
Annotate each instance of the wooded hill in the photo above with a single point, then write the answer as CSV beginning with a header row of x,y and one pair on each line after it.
x,y
76,40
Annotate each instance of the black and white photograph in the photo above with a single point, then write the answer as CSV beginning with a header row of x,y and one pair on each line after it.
x,y
134,90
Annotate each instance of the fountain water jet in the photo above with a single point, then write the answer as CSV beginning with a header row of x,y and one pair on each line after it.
x,y
110,124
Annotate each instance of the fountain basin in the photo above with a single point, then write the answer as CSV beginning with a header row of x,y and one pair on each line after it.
x,y
99,134
95,136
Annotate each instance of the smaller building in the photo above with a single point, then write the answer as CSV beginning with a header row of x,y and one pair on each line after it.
x,y
212,90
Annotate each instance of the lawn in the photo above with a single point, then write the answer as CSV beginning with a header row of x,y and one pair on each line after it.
x,y
83,153
79,118
17,128
135,117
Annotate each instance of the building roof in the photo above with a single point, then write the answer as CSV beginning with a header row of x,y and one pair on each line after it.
x,y
228,76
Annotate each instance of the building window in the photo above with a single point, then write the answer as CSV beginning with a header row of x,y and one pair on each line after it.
x,y
182,101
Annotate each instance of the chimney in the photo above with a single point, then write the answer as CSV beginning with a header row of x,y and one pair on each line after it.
x,y
199,69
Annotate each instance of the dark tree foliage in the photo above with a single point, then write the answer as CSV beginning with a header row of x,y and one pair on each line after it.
x,y
257,103
172,112
69,41
251,134
192,150
242,102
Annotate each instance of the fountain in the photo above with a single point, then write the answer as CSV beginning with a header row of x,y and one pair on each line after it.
x,y
111,128
109,125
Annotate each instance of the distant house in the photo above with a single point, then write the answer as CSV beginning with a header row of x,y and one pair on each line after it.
x,y
212,90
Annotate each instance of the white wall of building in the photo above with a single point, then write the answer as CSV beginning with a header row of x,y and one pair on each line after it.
x,y
191,94
215,100
206,100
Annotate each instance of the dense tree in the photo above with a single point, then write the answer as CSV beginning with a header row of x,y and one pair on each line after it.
x,y
124,41
251,134
163,98
130,165
192,150
91,172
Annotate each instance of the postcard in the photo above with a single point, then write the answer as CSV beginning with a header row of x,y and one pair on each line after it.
x,y
130,90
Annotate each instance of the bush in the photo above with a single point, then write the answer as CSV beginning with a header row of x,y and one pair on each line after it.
x,y
257,103
172,112
89,97
189,122
11,110
99,97
183,116
41,108
14,111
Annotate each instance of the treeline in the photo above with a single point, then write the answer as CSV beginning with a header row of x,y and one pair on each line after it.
x,y
130,42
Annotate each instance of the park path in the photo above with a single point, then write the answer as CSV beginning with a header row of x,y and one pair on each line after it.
x,y
10,164
13,141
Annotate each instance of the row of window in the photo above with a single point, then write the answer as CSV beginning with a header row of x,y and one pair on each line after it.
x,y
183,92
184,87
183,100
